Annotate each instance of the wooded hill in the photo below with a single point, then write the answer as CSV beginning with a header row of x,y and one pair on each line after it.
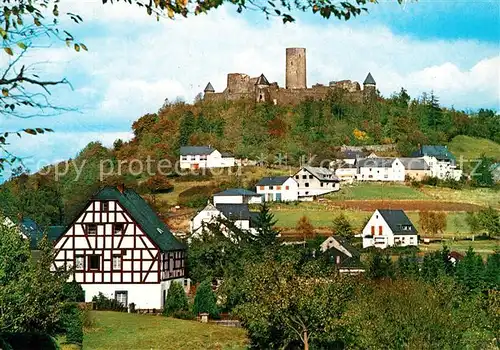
x,y
251,130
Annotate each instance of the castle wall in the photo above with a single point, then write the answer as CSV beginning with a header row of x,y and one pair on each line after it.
x,y
238,83
295,68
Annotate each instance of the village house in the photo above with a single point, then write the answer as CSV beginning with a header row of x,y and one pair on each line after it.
x,y
389,227
315,181
416,168
380,169
441,161
118,246
278,189
238,214
199,157
237,196
343,254
346,172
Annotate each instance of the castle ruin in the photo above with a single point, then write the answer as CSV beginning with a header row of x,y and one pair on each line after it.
x,y
241,86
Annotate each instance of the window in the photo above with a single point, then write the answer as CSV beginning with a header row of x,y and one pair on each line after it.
x,y
94,262
91,229
122,297
271,187
117,262
184,158
118,229
105,206
297,177
373,230
185,282
278,188
203,157
386,176
370,169
321,184
380,230
80,262
287,188
306,184
310,176
261,188
304,177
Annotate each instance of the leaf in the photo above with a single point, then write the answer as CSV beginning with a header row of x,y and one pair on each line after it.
x,y
149,11
37,22
29,131
8,50
49,130
3,33
77,47
40,130
22,45
2,140
68,42
5,92
170,13
83,46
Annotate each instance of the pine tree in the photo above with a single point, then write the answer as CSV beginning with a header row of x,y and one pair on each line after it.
x,y
205,300
482,176
492,271
176,299
186,128
267,235
342,227
470,271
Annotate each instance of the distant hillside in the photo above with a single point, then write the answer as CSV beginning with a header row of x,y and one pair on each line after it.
x,y
473,147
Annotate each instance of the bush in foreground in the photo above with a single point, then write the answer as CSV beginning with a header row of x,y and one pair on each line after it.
x,y
176,300
205,300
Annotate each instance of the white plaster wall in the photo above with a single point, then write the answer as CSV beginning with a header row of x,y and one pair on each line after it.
x,y
286,195
228,200
145,296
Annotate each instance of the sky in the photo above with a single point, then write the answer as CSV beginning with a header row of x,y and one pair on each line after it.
x,y
134,62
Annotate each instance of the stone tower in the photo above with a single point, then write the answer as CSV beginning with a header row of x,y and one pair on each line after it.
x,y
295,68
369,86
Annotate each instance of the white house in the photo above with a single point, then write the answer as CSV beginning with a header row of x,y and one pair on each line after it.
x,y
389,227
118,246
238,214
315,181
346,172
197,157
278,188
380,169
442,162
237,196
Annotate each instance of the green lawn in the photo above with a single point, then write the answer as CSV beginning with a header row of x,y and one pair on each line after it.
x,y
288,216
479,196
473,147
122,331
363,191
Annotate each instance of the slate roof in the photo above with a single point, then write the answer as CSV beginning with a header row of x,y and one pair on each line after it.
x,y
235,211
142,213
237,192
35,233
209,88
262,80
440,152
369,80
322,174
414,163
196,150
375,162
226,154
272,181
396,218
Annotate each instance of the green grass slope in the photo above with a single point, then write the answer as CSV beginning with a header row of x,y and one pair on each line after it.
x,y
473,147
117,330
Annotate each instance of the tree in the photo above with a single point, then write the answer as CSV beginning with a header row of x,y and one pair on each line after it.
x,y
24,94
342,227
380,266
176,299
482,176
470,271
489,220
267,235
205,300
433,222
305,228
186,128
118,144
286,308
30,294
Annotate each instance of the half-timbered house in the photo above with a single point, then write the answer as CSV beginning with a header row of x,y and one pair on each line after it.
x,y
118,246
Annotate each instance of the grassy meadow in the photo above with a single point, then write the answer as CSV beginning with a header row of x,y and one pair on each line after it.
x,y
469,147
123,331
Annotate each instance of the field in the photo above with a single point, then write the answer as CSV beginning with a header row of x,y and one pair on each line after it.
x,y
484,248
472,148
115,330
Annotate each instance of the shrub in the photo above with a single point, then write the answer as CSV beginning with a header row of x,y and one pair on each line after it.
x,y
72,323
176,300
196,196
183,315
72,291
104,303
205,300
39,341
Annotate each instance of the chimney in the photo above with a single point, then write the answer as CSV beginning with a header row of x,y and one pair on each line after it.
x,y
121,187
